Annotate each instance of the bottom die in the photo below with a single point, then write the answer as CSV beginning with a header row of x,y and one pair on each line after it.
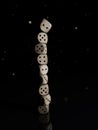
x,y
49,126
43,109
44,119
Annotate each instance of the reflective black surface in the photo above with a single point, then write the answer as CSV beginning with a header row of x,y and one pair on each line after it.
x,y
73,67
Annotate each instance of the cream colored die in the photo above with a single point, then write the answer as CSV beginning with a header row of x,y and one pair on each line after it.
x,y
44,79
43,109
47,99
44,89
41,48
45,26
42,37
42,59
43,69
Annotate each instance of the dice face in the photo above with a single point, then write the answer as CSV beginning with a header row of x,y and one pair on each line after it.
x,y
47,99
41,48
42,59
43,109
44,90
43,69
42,37
45,26
44,79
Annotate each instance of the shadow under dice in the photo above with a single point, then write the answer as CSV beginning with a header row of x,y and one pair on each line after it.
x,y
44,118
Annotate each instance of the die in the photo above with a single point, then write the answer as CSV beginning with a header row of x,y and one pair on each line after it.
x,y
45,26
44,119
43,109
41,48
47,99
44,79
42,37
43,69
42,59
44,89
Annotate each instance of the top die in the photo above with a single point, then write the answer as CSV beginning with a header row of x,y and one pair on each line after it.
x,y
45,26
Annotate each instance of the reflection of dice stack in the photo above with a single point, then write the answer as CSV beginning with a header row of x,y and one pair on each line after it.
x,y
45,122
42,59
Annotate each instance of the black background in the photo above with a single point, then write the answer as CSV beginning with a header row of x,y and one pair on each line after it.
x,y
73,67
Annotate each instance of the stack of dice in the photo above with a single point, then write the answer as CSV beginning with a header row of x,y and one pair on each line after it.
x,y
42,59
